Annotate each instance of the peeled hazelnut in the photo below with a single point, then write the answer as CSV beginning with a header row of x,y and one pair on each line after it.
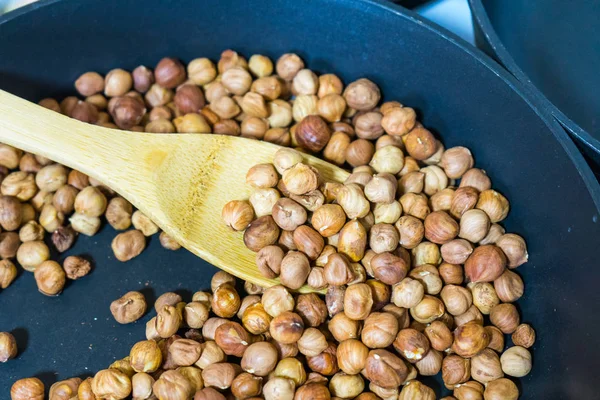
x,y
484,296
426,253
111,384
328,84
295,267
208,393
435,179
50,278
416,390
359,152
352,199
486,367
474,225
501,389
8,273
144,224
287,327
352,240
288,66
304,106
407,293
388,159
436,157
89,84
232,338
524,336
411,231
173,385
312,342
464,199
128,308
169,73
451,274
358,301
428,310
126,111
313,391
346,386
211,354
456,161
143,78
276,300
420,143
383,237
168,321
300,179
412,182
411,344
263,200
279,388
328,219
309,241
145,356
387,213
64,390
362,94
457,299
398,121
469,390
10,213
494,204
470,339
472,314
368,125
19,184
192,123
8,346
167,299
485,264
456,251
439,336
514,248
31,254
379,330
431,364
455,370
27,389
440,228
246,385
261,232
76,267
268,261
196,314
128,245
305,82
415,205
312,309
505,317
352,356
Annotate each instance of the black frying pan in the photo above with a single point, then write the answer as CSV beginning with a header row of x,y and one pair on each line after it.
x,y
460,93
554,45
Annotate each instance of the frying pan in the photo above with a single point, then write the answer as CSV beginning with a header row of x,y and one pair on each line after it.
x,y
553,45
461,94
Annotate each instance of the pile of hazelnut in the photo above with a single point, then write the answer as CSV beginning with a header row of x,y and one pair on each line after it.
x,y
409,249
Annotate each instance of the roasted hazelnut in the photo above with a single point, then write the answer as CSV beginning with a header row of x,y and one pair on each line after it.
x,y
237,214
50,218
352,356
506,317
50,278
126,111
476,178
524,336
111,384
295,268
27,213
470,339
411,231
411,344
384,369
346,386
27,389
334,299
262,176
309,241
195,314
168,321
268,261
494,204
428,310
435,179
225,301
514,248
256,320
464,199
389,268
208,393
185,352
484,296
352,240
50,104
312,309
420,143
10,156
415,204
232,338
276,300
143,78
237,80
331,107
485,264
431,364
117,83
169,73
328,219
220,375
288,66
501,389
343,328
383,238
469,390
305,82
173,385
455,370
263,201
32,254
353,201
76,267
19,184
90,202
456,251
261,232
118,213
194,376
128,308
89,84
312,133
286,327
496,232
439,336
189,99
389,140
246,385
379,330
457,299
40,200
451,274
486,367
474,225
167,299
304,106
128,245
145,356
472,314
300,179
279,388
407,293
64,199
64,390
368,125
157,96
358,301
326,362
359,152
388,159
291,368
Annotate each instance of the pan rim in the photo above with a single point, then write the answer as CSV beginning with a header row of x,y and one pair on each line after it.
x,y
532,97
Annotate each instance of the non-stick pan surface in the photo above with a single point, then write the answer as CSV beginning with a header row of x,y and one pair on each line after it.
x,y
553,45
459,93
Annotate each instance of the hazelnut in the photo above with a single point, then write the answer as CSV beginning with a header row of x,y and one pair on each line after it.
x,y
383,238
304,106
470,339
312,342
439,336
328,219
358,301
167,299
300,179
381,292
128,308
10,213
524,336
388,159
118,213
169,73
359,152
420,143
64,199
261,232
66,389
387,213
195,314
19,184
384,369
379,330
346,386
368,125
9,156
143,78
352,356
208,393
126,111
246,385
312,309
128,245
111,384
431,364
8,273
426,253
308,241
9,244
295,268
331,107
157,96
485,264
352,199
468,390
412,182
474,225
117,83
276,300
230,59
457,299
435,179
343,328
505,317
428,310
237,80
398,121
189,99
329,84
263,200
192,123
76,267
484,296
226,127
411,344
456,161
288,66
456,251
194,376
496,338
451,273
411,231
464,199
211,354
31,254
312,133
225,301
145,356
362,94
260,66
268,261
494,204
27,389
168,242
279,388
313,391
326,362
408,293
8,346
486,367
184,352
389,268
144,224
516,361
168,321
286,327
316,278
455,370
237,214
415,205
440,228
305,82
90,202
173,385
285,159
352,240
334,299
50,278
501,389
50,104
89,84
514,248
50,218
472,314
496,231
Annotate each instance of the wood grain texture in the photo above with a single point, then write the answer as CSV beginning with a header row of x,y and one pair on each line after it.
x,y
181,181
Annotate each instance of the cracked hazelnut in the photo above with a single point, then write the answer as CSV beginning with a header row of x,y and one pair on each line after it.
x,y
411,344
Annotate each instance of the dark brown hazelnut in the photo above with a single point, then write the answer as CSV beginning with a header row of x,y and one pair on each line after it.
x,y
411,344
308,241
232,338
312,309
63,238
169,73
313,133
189,99
246,385
261,232
143,78
9,244
325,363
10,213
225,301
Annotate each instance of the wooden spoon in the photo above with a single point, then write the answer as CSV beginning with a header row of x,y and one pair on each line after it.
x,y
181,181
